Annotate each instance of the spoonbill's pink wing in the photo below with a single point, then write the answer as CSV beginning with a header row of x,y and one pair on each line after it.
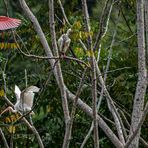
x,y
8,23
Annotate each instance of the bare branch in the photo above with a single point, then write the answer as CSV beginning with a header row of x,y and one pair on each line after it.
x,y
112,107
101,122
63,12
142,77
131,137
102,91
94,79
73,110
103,29
4,139
60,77
146,27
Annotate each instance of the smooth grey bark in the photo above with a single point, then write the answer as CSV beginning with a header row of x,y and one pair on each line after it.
x,y
93,73
143,116
142,76
101,122
60,76
3,138
146,27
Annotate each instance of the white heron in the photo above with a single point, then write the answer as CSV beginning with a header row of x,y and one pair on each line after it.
x,y
24,101
64,42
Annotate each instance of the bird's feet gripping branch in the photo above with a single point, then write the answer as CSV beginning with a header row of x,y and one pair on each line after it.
x,y
64,43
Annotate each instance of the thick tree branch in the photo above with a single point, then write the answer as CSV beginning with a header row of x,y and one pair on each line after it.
x,y
142,75
4,139
111,105
60,77
146,27
101,123
73,110
131,137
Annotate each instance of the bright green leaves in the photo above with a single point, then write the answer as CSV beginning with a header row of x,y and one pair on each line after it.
x,y
1,93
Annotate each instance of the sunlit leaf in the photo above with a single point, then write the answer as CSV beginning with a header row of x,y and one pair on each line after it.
x,y
11,129
2,93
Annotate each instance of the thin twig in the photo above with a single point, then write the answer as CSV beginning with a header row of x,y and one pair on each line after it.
x,y
60,76
63,12
73,110
102,32
112,106
26,79
4,139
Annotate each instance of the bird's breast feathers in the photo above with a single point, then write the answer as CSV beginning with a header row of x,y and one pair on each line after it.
x,y
28,98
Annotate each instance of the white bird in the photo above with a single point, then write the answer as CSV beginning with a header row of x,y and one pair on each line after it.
x,y
24,101
64,42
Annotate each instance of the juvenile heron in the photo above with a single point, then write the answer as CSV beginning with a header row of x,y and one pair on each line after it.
x,y
24,101
64,42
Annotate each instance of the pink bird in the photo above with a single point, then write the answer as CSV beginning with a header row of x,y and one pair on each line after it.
x,y
8,23
5,24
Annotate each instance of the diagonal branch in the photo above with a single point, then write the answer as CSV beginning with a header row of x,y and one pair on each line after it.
x,y
63,12
112,107
93,77
103,29
4,139
142,75
59,73
101,122
131,137
73,110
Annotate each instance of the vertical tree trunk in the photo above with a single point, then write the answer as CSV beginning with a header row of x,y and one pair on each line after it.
x,y
146,27
93,72
141,85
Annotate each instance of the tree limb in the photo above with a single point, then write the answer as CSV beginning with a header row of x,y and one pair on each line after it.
x,y
4,139
142,75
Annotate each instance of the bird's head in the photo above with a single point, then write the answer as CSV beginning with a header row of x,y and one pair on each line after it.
x,y
69,31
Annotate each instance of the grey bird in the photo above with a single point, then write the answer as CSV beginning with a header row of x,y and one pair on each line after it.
x,y
64,42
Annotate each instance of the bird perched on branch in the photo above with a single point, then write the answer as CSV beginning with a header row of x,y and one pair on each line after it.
x,y
24,101
64,42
